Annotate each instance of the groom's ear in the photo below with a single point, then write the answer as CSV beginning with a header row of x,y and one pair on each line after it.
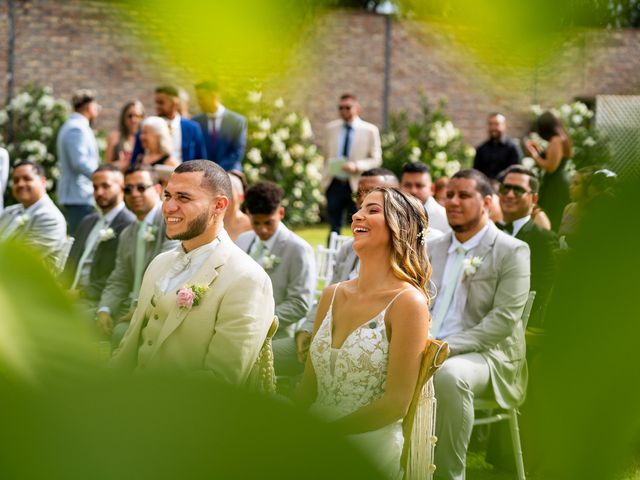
x,y
220,203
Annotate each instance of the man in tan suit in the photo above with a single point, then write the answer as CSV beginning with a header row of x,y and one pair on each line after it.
x,y
351,147
206,306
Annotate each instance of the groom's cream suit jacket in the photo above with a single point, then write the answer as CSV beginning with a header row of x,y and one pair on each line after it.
x,y
221,336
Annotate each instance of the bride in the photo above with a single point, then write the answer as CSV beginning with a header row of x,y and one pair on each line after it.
x,y
370,332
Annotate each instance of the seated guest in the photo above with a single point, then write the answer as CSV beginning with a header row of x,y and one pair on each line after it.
x,y
36,220
120,142
498,152
93,255
287,258
440,190
139,243
481,276
224,131
158,148
235,220
188,143
518,195
290,354
416,180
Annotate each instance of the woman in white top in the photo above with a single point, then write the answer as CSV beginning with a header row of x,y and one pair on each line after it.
x,y
370,332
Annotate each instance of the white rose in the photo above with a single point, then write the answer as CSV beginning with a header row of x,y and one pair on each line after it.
x,y
576,119
305,129
536,110
589,142
441,137
34,117
47,102
296,150
291,119
277,145
469,151
415,154
296,192
312,172
252,174
46,132
55,172
254,97
264,124
279,103
254,156
260,135
298,169
581,108
283,133
287,162
298,204
451,168
4,116
565,110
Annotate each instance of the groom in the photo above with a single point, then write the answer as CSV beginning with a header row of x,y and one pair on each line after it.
x,y
205,306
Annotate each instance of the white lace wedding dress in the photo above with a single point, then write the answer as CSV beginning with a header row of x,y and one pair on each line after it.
x,y
352,376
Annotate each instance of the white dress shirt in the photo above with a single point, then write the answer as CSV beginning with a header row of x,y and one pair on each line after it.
x,y
452,322
518,224
176,135
437,215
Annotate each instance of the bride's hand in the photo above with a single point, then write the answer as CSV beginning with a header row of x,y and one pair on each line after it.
x,y
532,147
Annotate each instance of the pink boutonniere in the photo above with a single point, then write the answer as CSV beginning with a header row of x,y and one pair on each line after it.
x,y
190,296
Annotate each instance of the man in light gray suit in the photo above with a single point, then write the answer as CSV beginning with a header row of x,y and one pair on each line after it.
x,y
78,158
139,243
35,220
481,276
287,258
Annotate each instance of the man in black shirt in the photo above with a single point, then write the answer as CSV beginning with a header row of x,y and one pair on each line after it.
x,y
498,152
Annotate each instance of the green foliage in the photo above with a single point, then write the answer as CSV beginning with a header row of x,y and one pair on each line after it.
x,y
29,125
279,148
430,138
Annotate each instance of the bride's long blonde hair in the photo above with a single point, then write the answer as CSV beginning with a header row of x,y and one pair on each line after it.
x,y
408,222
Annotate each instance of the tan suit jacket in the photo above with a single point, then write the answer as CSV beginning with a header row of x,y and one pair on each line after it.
x,y
365,150
222,336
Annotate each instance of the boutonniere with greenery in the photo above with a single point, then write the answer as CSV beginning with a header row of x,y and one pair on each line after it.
x,y
107,234
191,295
150,234
269,261
22,219
470,266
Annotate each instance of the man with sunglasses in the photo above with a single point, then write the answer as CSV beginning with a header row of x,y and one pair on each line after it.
x,y
518,195
351,147
139,243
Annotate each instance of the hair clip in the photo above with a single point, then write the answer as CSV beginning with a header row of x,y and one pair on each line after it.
x,y
422,236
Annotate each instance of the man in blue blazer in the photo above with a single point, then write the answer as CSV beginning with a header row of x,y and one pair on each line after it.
x,y
224,131
78,157
188,143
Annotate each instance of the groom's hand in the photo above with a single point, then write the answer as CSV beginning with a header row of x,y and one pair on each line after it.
x,y
303,339
105,323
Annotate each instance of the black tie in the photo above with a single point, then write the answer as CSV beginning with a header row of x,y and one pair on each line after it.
x,y
508,228
347,135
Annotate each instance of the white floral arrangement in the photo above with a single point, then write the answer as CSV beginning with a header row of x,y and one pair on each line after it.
x,y
280,149
21,219
269,261
470,266
151,233
106,234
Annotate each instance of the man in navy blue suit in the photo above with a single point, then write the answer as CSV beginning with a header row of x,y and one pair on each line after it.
x,y
224,131
188,143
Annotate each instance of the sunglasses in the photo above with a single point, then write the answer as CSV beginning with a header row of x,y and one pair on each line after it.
x,y
518,191
141,188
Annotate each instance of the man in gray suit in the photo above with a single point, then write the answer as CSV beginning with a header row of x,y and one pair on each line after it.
x,y
287,258
290,354
78,158
139,243
481,276
35,220
93,255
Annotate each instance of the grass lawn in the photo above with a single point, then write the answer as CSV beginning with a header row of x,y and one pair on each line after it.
x,y
318,234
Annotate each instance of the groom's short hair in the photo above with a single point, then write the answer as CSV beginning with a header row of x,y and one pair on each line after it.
x,y
215,179
264,198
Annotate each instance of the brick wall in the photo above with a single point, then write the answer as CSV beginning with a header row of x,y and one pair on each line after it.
x,y
89,44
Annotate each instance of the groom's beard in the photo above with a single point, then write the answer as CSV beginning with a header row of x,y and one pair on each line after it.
x,y
195,227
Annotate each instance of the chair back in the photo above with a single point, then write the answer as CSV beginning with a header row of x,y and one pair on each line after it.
x,y
325,261
417,450
336,241
263,376
62,257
